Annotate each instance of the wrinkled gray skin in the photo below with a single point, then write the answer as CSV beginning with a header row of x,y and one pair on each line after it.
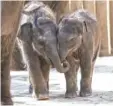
x,y
38,35
79,45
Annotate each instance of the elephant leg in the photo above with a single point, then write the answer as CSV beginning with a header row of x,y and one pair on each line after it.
x,y
5,80
71,78
45,71
45,67
86,75
35,72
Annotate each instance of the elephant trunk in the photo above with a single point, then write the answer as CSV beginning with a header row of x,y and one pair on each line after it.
x,y
61,67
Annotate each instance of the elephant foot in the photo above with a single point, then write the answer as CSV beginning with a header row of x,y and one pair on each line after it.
x,y
6,101
85,92
33,94
31,88
43,97
70,94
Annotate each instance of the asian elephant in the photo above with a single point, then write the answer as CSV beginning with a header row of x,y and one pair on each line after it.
x,y
79,45
38,35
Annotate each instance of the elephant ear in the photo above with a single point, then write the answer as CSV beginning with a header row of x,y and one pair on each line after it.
x,y
26,32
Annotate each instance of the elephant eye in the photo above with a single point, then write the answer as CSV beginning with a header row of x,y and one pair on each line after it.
x,y
72,39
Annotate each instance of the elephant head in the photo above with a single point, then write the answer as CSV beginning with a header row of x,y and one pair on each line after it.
x,y
42,36
69,36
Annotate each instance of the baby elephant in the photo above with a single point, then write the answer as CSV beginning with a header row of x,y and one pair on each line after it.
x,y
79,45
38,36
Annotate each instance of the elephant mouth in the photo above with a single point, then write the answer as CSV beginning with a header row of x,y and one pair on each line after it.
x,y
50,62
70,51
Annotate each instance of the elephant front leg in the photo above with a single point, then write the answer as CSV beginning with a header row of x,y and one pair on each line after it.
x,y
45,67
86,77
38,82
71,79
36,76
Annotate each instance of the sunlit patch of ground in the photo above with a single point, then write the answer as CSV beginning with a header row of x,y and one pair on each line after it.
x,y
102,88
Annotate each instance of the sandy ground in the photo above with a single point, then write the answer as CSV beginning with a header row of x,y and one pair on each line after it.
x,y
102,88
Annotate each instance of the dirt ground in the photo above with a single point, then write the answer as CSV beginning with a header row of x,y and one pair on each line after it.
x,y
102,88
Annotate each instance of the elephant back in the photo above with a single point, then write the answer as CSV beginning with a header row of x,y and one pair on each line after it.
x,y
30,7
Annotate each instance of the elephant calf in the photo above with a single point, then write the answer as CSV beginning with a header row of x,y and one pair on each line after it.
x,y
79,45
38,35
